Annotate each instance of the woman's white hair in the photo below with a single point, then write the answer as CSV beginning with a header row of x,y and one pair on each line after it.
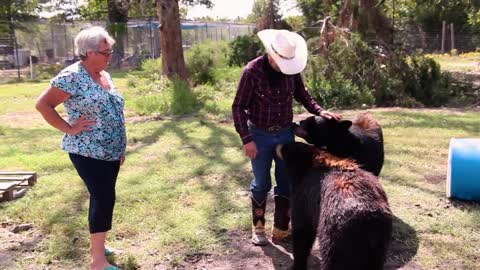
x,y
90,39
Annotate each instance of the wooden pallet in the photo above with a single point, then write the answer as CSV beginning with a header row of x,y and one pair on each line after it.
x,y
15,184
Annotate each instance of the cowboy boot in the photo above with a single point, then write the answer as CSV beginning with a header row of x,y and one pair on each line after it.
x,y
258,229
281,218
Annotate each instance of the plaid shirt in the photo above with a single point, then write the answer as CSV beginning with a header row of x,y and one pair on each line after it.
x,y
264,97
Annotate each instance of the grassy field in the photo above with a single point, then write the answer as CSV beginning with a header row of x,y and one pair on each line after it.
x,y
467,62
184,187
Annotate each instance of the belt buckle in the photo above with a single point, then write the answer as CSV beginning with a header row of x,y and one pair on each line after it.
x,y
274,128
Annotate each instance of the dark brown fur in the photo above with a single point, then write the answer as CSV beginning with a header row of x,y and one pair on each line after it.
x,y
342,205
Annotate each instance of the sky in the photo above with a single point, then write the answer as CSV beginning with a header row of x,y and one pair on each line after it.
x,y
223,9
234,8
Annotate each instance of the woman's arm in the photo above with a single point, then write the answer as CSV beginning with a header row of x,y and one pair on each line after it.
x,y
46,103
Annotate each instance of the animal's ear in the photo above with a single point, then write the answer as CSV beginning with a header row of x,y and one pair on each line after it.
x,y
345,124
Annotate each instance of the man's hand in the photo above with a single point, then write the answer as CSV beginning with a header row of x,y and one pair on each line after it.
x,y
330,115
82,124
251,150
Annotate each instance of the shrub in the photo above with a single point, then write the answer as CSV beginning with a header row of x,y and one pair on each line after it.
x,y
336,91
151,68
47,71
203,58
243,49
161,95
355,74
426,83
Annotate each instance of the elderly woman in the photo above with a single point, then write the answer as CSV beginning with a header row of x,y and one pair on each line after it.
x,y
95,136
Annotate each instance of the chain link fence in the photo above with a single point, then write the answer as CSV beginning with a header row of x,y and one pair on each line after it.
x,y
26,44
42,42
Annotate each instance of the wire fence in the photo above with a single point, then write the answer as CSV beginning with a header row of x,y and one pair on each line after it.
x,y
24,44
42,42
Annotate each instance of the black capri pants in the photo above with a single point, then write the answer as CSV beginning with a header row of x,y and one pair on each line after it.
x,y
100,177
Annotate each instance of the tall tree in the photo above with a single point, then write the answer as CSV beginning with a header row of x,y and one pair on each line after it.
x,y
117,26
316,10
367,18
364,16
64,10
18,10
116,12
266,15
173,61
258,11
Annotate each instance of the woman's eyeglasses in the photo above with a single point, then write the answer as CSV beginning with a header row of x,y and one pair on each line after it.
x,y
106,53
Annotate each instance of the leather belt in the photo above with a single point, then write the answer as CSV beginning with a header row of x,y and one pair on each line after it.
x,y
271,129
276,128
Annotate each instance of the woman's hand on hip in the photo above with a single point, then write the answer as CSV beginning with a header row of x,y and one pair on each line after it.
x,y
251,150
82,124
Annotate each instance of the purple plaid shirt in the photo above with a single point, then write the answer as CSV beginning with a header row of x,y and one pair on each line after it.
x,y
264,97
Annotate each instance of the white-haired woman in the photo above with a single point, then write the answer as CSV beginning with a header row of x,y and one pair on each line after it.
x,y
95,136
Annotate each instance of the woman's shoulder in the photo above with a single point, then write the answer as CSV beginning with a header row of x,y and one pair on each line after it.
x,y
73,69
69,77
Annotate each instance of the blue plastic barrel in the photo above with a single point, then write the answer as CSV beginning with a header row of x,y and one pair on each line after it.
x,y
463,175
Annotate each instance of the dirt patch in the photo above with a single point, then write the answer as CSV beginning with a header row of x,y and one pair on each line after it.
x,y
238,253
17,246
436,179
22,120
242,255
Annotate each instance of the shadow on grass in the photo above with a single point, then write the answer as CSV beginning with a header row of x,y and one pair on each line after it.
x,y
403,248
211,147
405,242
404,245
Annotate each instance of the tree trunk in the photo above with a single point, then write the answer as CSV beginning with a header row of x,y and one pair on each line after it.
x,y
345,19
117,27
366,17
173,62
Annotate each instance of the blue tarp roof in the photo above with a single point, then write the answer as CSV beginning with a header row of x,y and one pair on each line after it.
x,y
185,25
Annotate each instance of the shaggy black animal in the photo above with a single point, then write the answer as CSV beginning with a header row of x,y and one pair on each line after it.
x,y
361,140
341,204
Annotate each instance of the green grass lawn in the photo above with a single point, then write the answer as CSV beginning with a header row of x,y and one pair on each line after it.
x,y
467,62
185,180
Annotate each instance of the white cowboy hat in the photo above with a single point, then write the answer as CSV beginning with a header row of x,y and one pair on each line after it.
x,y
288,49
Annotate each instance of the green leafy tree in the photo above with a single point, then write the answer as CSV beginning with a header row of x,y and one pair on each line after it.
x,y
316,10
296,22
94,10
12,14
65,10
430,13
18,10
258,11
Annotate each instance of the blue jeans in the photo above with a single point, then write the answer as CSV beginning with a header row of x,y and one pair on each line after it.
x,y
261,164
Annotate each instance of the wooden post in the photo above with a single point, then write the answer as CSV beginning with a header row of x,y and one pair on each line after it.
x,y
206,31
452,37
443,37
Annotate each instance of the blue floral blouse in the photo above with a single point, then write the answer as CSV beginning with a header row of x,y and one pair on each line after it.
x,y
107,139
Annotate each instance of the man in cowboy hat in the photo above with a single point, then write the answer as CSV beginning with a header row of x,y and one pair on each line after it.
x,y
263,114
